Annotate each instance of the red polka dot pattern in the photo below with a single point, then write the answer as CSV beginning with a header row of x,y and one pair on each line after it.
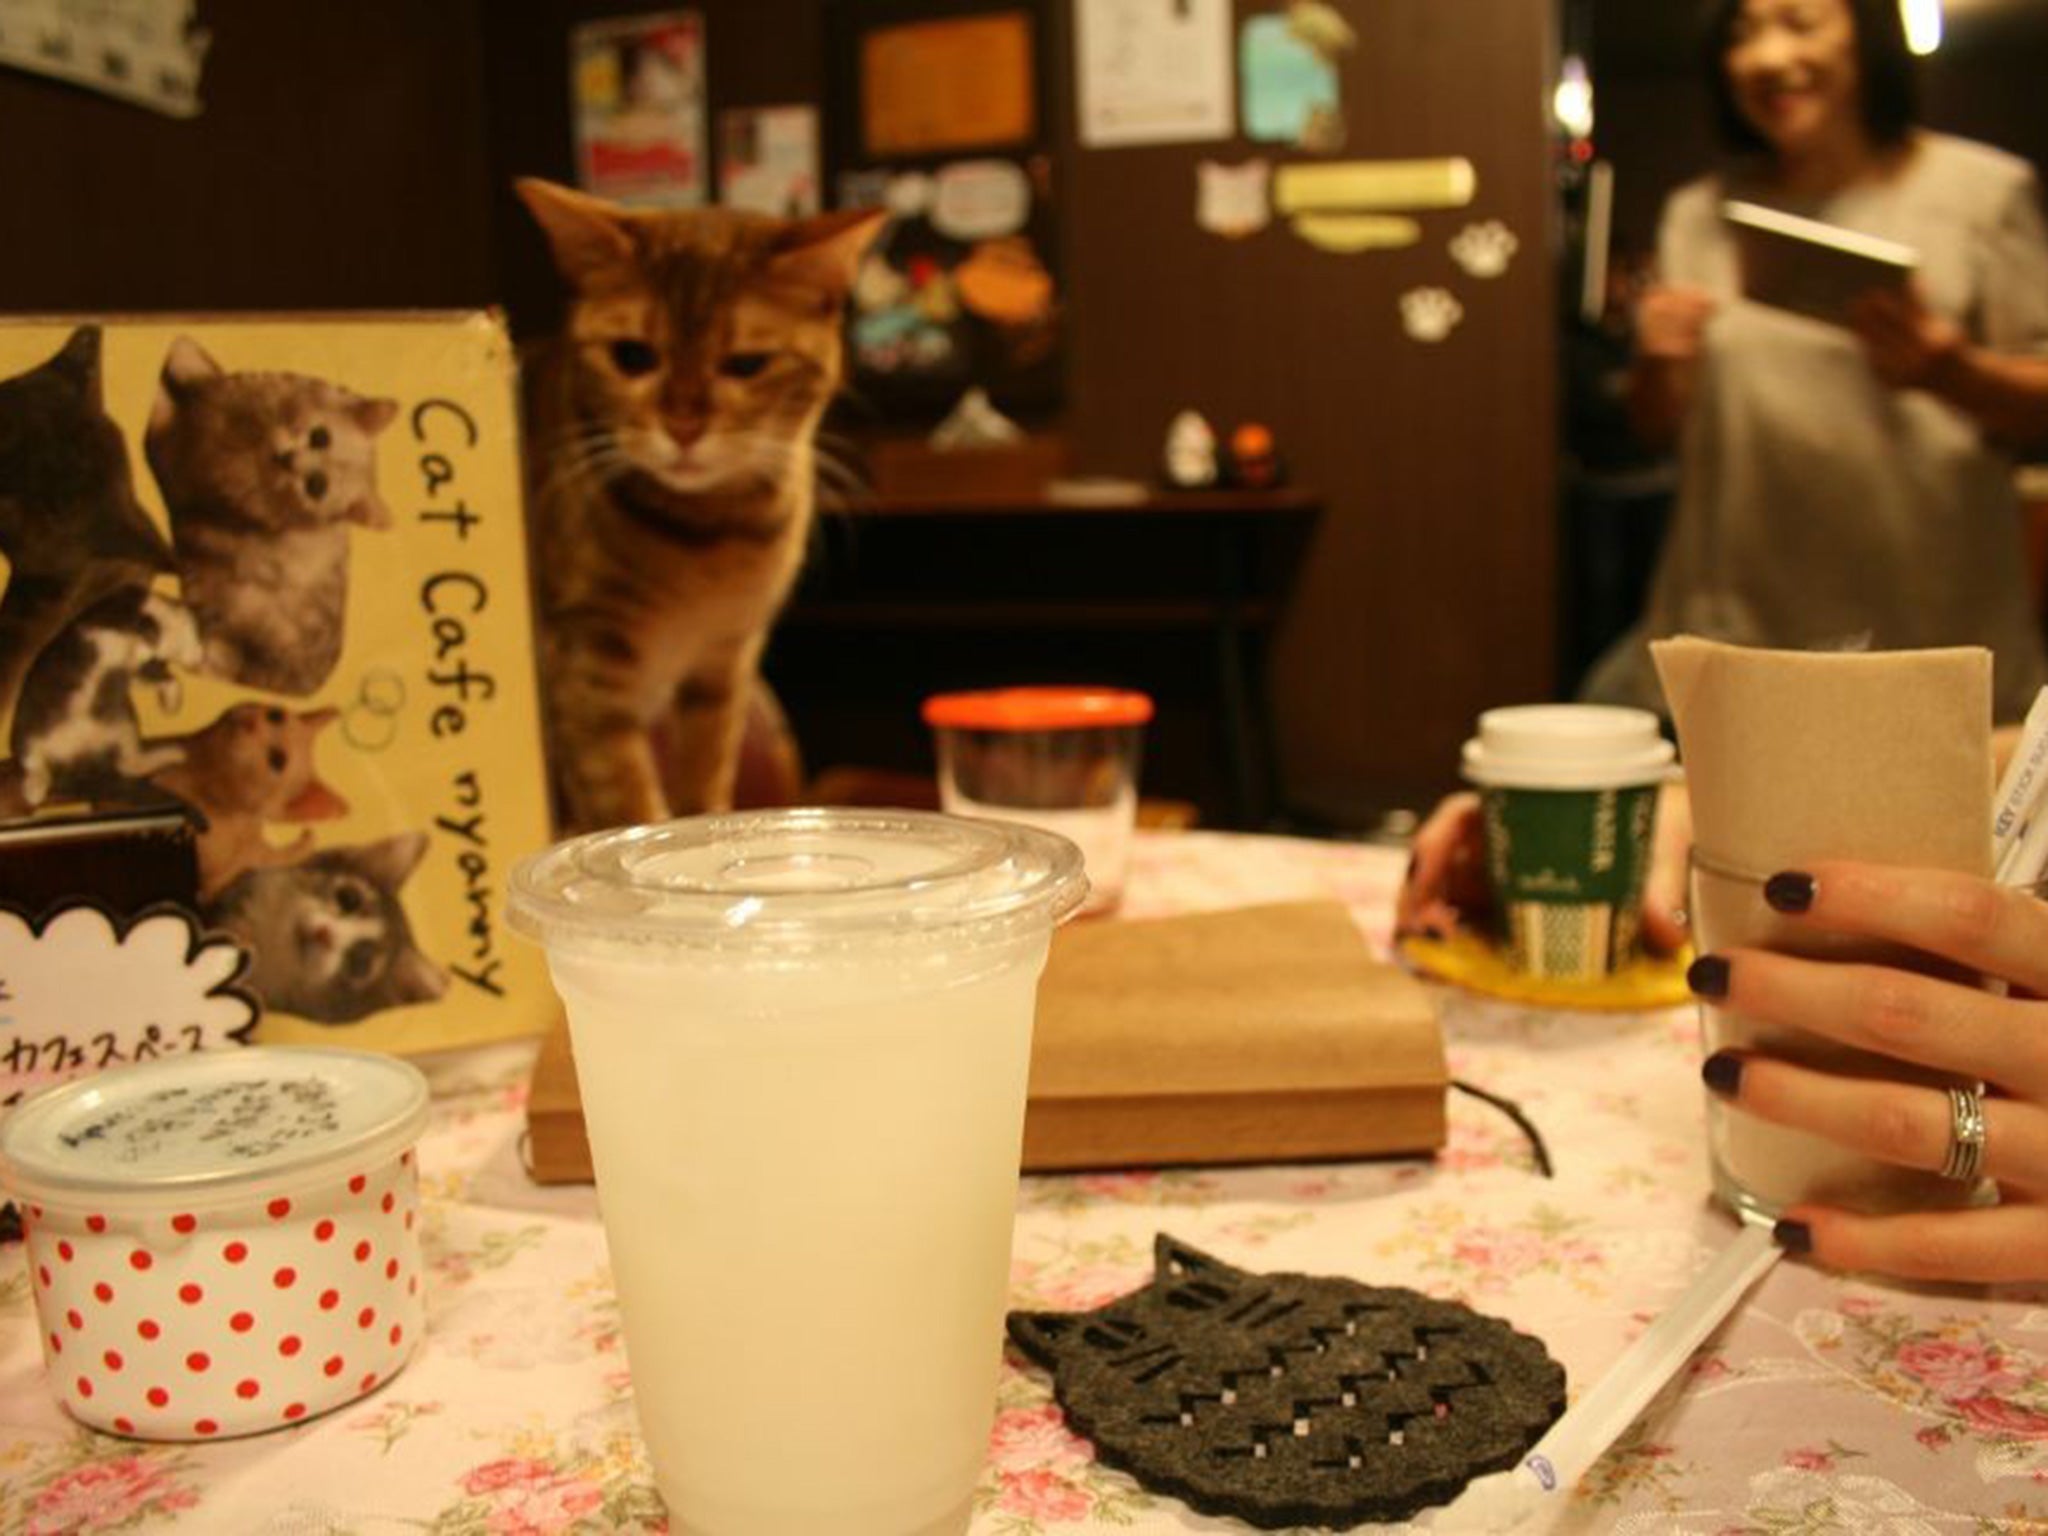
x,y
292,1305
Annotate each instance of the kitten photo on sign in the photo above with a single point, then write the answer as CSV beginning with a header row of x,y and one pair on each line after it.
x,y
211,607
674,457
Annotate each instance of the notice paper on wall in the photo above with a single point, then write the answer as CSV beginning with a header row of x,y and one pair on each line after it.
x,y
768,160
1153,71
143,51
637,90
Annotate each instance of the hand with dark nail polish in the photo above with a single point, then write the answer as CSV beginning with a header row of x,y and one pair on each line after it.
x,y
1947,973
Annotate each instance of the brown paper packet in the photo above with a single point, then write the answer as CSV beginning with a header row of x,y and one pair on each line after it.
x,y
1257,1034
1793,757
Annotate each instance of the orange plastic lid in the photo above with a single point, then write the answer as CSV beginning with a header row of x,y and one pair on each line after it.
x,y
1037,709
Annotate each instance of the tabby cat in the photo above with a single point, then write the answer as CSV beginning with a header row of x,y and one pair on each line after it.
x,y
328,937
674,440
252,766
71,529
75,732
262,474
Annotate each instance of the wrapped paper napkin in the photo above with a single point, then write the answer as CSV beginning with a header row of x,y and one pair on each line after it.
x,y
1793,757
1261,1034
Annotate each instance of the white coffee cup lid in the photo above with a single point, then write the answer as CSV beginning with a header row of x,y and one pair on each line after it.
x,y
1566,747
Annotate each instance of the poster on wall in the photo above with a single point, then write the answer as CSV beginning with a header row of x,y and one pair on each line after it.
x,y
1153,71
266,583
768,160
939,116
637,98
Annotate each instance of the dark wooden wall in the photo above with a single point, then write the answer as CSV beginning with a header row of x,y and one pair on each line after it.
x,y
340,163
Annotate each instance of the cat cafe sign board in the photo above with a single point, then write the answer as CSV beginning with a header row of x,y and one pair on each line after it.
x,y
269,576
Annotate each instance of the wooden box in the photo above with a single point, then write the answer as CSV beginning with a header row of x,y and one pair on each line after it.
x,y
1267,1034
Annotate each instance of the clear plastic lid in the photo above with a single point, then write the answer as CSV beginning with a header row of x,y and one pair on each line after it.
x,y
210,1126
1567,747
797,881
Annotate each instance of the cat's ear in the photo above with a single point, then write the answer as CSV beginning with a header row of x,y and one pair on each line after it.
x,y
590,237
187,364
316,802
416,979
79,360
370,511
387,862
373,416
824,252
1172,1260
1044,1335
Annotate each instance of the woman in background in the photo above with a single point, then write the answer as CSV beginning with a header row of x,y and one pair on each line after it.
x,y
1844,488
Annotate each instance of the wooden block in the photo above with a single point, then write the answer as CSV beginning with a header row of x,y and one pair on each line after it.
x,y
557,1150
1265,1034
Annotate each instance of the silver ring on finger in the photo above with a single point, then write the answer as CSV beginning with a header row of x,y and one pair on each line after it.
x,y
1965,1134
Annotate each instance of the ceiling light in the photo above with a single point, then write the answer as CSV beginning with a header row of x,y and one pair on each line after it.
x,y
1923,24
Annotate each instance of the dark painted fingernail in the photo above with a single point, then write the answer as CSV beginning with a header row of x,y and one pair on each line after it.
x,y
1722,1073
1793,1236
1790,891
1413,860
1708,976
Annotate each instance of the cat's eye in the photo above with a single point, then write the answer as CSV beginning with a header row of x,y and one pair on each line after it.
x,y
348,900
316,485
360,960
274,716
318,437
634,358
745,365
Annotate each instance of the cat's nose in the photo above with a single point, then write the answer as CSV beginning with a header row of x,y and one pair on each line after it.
x,y
686,430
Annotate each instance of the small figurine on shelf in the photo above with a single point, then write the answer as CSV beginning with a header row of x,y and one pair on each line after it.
x,y
1190,458
1253,461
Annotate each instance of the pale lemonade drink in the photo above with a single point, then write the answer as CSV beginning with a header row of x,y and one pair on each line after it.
x,y
803,1063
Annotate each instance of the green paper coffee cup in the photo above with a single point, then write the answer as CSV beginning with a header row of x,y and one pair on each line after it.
x,y
1568,794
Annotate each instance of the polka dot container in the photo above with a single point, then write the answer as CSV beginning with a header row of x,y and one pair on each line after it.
x,y
222,1243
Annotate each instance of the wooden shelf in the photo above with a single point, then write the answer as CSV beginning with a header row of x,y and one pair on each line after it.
x,y
908,614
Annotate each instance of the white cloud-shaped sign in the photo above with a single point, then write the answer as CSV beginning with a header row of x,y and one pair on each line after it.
x,y
86,991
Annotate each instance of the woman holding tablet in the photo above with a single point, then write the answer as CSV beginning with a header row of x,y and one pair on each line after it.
x,y
1843,485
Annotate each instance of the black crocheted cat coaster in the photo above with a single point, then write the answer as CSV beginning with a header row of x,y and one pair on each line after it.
x,y
1289,1400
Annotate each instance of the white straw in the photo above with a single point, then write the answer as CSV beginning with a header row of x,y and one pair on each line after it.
x,y
2018,802
1545,1477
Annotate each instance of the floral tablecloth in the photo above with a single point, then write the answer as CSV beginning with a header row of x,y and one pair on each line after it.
x,y
1825,1405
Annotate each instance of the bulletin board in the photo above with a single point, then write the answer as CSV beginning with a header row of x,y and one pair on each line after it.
x,y
940,112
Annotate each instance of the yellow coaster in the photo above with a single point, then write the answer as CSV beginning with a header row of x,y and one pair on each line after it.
x,y
1469,961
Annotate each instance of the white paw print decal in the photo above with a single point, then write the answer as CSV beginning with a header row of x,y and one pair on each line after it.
x,y
1430,314
1484,250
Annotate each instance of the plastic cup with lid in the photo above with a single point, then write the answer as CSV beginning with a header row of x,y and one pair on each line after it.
x,y
802,1039
222,1242
1065,759
1568,794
